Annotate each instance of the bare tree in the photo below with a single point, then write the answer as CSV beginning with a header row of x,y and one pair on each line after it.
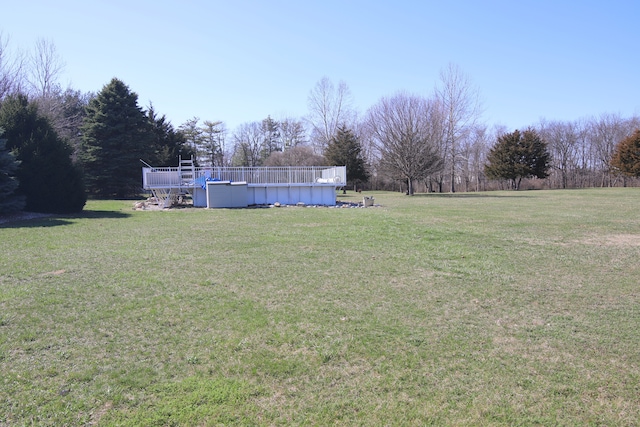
x,y
45,68
473,152
292,133
329,107
69,115
562,138
37,74
584,161
299,155
248,144
363,130
460,102
605,133
405,130
11,69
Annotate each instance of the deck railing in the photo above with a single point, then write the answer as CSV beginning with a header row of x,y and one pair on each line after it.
x,y
172,177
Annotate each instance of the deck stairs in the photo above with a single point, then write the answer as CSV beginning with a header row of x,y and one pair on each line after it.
x,y
187,174
167,197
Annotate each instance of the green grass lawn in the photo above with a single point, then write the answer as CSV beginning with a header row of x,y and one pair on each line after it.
x,y
503,308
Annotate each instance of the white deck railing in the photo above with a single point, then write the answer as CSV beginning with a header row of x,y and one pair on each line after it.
x,y
172,177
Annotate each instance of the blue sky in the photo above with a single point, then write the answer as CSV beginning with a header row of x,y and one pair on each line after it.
x,y
239,60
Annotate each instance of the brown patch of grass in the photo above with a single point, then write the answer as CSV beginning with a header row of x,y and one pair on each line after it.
x,y
54,273
613,240
99,413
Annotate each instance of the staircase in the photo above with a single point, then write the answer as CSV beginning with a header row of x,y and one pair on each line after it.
x,y
186,173
169,196
164,196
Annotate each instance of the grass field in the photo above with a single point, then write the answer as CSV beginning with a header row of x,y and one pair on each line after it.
x,y
505,308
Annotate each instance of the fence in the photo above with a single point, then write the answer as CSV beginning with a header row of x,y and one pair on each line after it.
x,y
178,178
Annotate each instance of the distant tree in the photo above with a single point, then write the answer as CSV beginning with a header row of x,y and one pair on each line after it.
x,y
36,74
9,201
626,157
213,141
471,160
300,155
12,67
406,130
344,149
46,65
518,155
459,101
329,106
248,145
69,116
562,138
272,138
194,138
48,178
292,133
606,132
116,135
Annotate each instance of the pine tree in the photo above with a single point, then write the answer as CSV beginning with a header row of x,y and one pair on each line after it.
x,y
194,139
626,157
168,144
344,149
116,135
213,135
518,155
9,202
47,177
272,140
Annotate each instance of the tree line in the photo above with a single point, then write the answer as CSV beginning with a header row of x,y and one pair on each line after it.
x,y
58,145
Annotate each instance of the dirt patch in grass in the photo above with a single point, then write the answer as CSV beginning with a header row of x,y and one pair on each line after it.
x,y
54,273
614,240
99,413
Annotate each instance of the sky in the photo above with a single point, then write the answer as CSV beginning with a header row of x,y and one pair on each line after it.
x,y
240,61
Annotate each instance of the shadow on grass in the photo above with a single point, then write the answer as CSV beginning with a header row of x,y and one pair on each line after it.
x,y
55,220
348,196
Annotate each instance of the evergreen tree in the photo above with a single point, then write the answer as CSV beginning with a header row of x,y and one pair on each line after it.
x,y
272,140
195,139
344,149
626,157
518,155
47,177
9,202
116,135
213,136
168,144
